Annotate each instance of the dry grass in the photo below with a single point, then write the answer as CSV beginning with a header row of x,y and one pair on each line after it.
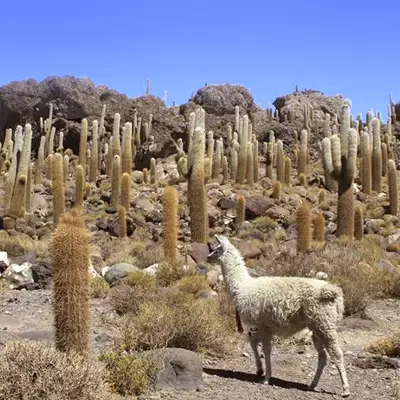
x,y
193,284
138,253
389,346
128,374
33,370
167,274
99,288
20,244
396,390
175,318
350,264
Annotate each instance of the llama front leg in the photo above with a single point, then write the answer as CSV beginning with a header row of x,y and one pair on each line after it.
x,y
331,343
322,360
266,343
254,340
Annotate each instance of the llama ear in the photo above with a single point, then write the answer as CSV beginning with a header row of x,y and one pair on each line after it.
x,y
218,239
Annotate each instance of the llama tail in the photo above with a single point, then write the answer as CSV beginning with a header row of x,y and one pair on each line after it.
x,y
335,294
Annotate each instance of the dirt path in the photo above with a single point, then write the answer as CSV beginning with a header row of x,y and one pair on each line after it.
x,y
29,314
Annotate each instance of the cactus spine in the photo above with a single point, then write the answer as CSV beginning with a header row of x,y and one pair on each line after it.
x,y
240,210
276,192
288,170
94,152
393,190
152,171
58,188
358,223
366,166
303,152
40,161
303,223
319,227
249,166
376,156
82,143
116,145
79,187
255,160
170,223
116,182
280,171
127,149
126,191
70,253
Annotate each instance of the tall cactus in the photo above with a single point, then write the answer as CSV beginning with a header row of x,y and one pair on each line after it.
x,y
58,188
170,223
343,168
366,166
94,152
70,253
393,190
82,143
303,225
376,156
280,167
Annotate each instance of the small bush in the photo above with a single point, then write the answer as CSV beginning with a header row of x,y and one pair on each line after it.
x,y
167,274
127,374
178,319
99,288
387,347
33,370
21,244
127,299
265,224
141,280
193,284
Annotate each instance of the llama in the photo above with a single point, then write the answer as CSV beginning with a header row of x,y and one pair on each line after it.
x,y
283,306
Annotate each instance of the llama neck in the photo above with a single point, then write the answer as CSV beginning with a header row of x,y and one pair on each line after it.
x,y
234,270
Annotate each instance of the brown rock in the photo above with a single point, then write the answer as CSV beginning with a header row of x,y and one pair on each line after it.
x,y
248,250
199,252
257,206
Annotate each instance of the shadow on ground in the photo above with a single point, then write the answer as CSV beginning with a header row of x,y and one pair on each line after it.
x,y
246,377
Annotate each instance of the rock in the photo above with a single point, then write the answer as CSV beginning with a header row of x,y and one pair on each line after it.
x,y
152,269
29,257
293,104
213,215
221,99
19,276
321,275
248,250
117,272
387,266
226,203
39,202
199,252
207,294
179,369
212,277
278,213
42,273
257,206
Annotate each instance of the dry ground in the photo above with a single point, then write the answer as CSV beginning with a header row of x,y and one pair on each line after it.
x,y
28,314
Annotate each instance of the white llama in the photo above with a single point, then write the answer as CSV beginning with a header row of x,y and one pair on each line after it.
x,y
283,306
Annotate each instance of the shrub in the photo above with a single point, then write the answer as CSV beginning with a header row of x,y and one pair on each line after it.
x,y
193,284
167,274
127,374
389,346
33,370
265,224
21,244
127,299
141,280
396,390
349,264
99,288
178,319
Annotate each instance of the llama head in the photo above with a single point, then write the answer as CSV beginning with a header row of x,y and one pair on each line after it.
x,y
218,249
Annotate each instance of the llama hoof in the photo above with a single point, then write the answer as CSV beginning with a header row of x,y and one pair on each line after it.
x,y
265,381
346,393
260,372
311,387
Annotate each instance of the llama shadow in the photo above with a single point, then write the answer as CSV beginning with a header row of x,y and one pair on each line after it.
x,y
246,377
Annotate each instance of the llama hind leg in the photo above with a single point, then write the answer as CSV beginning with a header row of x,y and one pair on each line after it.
x,y
331,343
266,344
322,360
254,340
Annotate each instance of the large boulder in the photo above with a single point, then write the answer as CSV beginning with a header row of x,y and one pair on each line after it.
x,y
222,99
76,98
293,103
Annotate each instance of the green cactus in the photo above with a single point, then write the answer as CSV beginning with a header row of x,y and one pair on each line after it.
x,y
280,166
366,167
58,188
126,191
94,152
152,171
127,149
240,210
79,187
303,225
116,182
82,143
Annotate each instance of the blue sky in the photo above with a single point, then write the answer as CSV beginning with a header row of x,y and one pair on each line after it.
x,y
340,46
